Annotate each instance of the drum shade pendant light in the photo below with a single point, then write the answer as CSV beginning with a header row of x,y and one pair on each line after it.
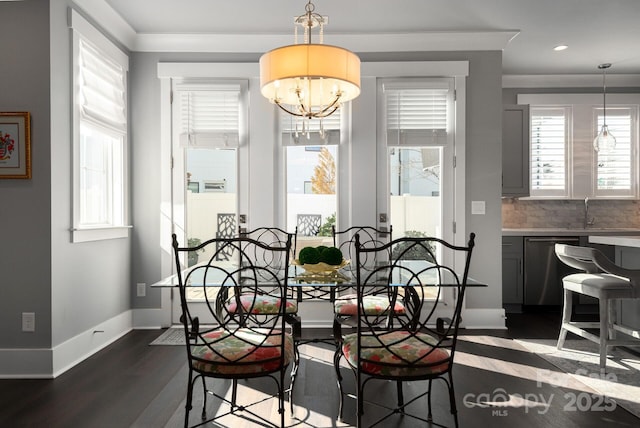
x,y
310,80
604,141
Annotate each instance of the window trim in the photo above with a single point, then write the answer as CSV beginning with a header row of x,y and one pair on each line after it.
x,y
83,30
582,102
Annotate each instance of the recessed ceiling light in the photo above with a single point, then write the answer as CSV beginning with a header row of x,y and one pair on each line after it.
x,y
560,47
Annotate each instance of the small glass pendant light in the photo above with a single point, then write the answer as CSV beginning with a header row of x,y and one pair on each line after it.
x,y
604,141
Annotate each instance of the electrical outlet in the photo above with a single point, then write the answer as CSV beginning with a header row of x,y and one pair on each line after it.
x,y
142,289
28,321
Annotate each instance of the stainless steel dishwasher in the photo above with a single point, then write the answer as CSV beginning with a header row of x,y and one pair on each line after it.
x,y
543,272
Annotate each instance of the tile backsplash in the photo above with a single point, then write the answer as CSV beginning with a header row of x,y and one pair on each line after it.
x,y
528,213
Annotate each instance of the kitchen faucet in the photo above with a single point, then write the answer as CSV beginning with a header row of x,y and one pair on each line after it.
x,y
587,221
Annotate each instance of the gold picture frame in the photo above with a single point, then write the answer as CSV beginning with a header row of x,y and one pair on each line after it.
x,y
15,145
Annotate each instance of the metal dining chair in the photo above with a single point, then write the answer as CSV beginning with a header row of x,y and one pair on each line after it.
x,y
344,298
231,341
418,347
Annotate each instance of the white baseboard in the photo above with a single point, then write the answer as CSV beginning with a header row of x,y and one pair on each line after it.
x,y
77,349
492,318
151,318
48,363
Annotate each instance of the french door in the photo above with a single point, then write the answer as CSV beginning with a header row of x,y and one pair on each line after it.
x,y
416,158
208,121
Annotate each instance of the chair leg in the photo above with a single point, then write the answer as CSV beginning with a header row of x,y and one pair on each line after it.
x,y
604,330
429,412
566,317
452,396
281,398
452,399
613,317
188,405
294,372
204,399
400,395
336,366
359,401
234,394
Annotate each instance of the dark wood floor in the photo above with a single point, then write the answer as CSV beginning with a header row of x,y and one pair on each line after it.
x,y
132,384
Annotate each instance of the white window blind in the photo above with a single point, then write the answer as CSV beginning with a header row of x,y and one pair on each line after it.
x,y
615,168
209,115
548,150
102,88
416,115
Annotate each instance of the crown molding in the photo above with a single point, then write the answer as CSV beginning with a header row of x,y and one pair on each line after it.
x,y
110,21
569,80
102,13
385,42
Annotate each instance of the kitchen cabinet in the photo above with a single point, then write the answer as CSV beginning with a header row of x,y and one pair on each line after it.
x,y
541,276
515,150
512,273
628,309
543,271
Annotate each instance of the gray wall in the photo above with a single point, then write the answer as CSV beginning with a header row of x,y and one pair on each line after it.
x,y
90,281
25,207
483,169
72,288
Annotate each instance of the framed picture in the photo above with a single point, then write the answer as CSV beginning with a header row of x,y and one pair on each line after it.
x,y
15,145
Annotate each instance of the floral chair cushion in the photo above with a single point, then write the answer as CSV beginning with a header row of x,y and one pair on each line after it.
x,y
404,357
246,351
260,304
373,305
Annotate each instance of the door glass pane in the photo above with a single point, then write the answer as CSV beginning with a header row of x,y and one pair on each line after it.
x,y
415,191
211,196
311,193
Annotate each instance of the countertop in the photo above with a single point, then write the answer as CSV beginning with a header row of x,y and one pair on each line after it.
x,y
613,232
623,241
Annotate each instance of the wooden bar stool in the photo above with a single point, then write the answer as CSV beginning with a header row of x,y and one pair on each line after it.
x,y
605,281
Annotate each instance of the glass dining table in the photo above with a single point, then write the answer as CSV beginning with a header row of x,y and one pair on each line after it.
x,y
199,276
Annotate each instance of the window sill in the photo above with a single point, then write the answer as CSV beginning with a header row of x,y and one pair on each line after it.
x,y
99,234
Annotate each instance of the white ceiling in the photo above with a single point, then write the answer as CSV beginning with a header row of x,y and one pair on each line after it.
x,y
596,31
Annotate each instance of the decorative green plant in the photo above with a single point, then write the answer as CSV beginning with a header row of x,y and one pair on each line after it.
x,y
325,229
194,242
192,256
405,250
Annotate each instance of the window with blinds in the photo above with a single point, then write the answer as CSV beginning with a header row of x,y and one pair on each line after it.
x,y
564,163
100,124
209,114
549,136
615,169
416,113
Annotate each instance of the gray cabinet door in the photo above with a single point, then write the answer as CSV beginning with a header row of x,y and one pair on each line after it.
x,y
628,309
512,273
515,150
